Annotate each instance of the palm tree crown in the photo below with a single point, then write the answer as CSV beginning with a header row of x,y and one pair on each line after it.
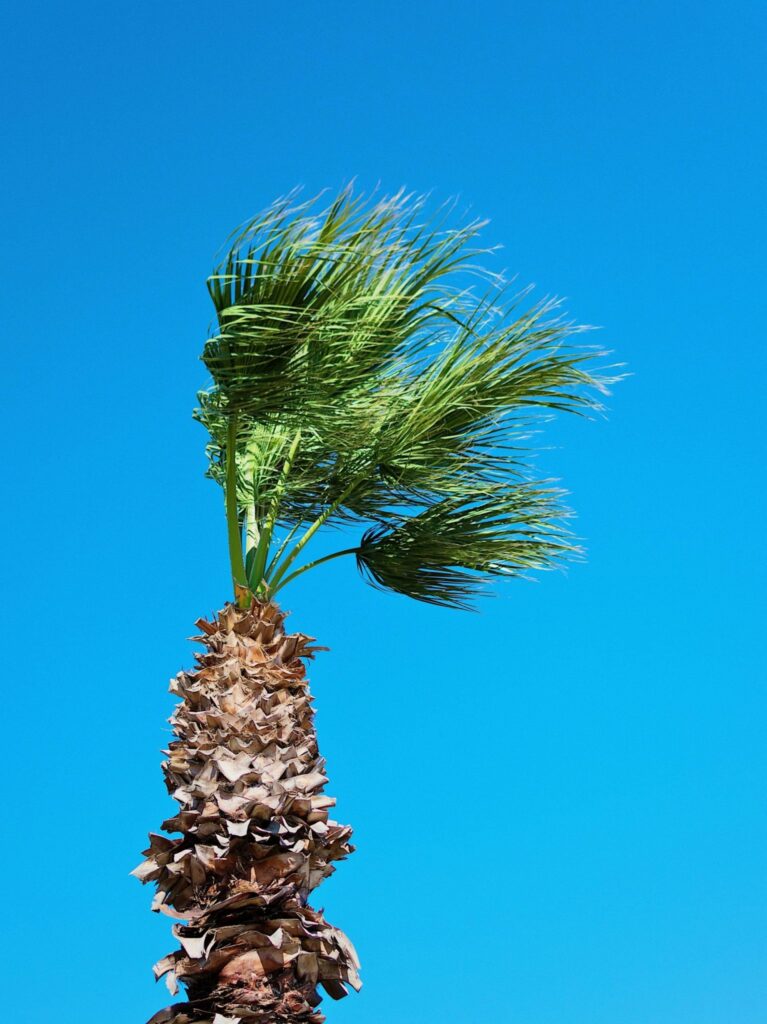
x,y
365,371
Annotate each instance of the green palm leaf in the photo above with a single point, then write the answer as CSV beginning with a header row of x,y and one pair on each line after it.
x,y
449,552
356,376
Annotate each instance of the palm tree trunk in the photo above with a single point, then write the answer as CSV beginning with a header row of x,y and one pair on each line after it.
x,y
255,835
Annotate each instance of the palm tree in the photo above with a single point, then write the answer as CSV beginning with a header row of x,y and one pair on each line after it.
x,y
365,374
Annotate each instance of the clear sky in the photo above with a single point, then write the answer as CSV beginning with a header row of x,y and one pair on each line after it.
x,y
559,802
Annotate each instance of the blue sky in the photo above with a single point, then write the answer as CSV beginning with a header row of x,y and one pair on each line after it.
x,y
559,802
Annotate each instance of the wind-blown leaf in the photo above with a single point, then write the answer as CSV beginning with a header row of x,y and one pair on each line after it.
x,y
449,551
312,305
350,337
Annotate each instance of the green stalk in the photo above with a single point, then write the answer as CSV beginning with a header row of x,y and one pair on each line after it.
x,y
307,536
311,565
283,545
234,531
252,532
265,539
252,535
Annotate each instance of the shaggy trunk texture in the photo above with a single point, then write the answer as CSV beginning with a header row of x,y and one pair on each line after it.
x,y
255,838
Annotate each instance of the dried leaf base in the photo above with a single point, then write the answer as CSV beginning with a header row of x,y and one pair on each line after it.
x,y
255,838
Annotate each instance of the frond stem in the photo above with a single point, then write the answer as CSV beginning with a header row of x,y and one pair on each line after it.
x,y
311,565
252,531
234,528
285,541
309,533
265,539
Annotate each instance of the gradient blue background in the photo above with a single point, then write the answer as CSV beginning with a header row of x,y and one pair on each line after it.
x,y
559,803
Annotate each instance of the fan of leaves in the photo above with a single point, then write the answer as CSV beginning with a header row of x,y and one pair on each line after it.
x,y
358,376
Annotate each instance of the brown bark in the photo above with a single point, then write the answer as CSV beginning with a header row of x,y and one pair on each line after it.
x,y
255,838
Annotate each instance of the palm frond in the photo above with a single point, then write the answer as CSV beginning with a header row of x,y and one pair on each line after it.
x,y
448,553
455,418
311,306
356,376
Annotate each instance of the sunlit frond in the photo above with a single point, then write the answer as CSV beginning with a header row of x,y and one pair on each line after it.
x,y
312,304
356,376
448,553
